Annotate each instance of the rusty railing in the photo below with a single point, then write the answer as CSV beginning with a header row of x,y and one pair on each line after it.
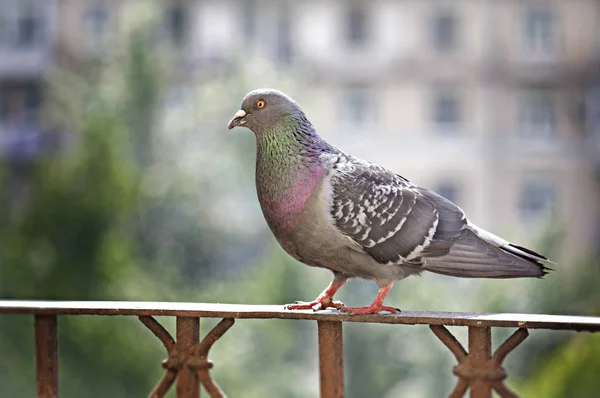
x,y
478,370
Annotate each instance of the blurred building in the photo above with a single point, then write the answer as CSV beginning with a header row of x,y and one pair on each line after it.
x,y
493,104
27,45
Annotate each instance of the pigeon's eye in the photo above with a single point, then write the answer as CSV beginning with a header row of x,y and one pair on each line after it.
x,y
260,104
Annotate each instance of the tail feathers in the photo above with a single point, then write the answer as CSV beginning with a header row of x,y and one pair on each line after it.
x,y
526,253
480,254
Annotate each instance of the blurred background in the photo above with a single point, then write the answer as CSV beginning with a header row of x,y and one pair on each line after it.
x,y
120,181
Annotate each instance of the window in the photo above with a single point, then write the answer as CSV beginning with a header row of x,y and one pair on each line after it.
x,y
356,25
97,20
284,34
249,14
444,32
29,27
537,114
32,105
446,109
176,24
538,199
3,106
4,30
592,111
22,24
20,104
539,31
358,107
448,190
597,241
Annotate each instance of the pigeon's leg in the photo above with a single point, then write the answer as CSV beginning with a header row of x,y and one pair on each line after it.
x,y
325,299
377,304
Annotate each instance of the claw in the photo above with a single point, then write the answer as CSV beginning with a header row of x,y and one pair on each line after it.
x,y
320,303
324,300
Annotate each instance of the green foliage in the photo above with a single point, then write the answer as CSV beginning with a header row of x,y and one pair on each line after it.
x,y
75,214
572,371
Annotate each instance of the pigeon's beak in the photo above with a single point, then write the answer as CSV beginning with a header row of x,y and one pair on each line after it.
x,y
238,119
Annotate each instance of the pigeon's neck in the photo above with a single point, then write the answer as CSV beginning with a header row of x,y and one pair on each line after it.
x,y
289,167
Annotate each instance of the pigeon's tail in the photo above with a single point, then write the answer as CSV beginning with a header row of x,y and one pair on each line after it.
x,y
480,254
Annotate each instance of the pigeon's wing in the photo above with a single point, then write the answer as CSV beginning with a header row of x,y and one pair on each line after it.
x,y
387,216
396,222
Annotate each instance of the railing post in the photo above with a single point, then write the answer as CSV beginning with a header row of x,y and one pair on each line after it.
x,y
331,359
188,335
480,352
46,356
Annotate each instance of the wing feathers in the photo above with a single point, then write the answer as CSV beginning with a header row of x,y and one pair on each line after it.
x,y
396,222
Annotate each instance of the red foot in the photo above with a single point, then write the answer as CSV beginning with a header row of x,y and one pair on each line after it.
x,y
320,303
371,309
324,300
377,304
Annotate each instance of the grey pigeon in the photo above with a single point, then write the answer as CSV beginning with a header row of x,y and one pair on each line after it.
x,y
331,210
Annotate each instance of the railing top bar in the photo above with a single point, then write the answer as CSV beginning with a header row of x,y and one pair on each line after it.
x,y
208,310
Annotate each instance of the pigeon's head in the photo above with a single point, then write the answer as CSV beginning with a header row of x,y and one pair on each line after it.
x,y
261,109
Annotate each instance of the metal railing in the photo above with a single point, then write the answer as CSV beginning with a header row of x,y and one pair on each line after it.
x,y
478,370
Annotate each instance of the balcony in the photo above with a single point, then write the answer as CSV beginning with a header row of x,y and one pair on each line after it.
x,y
22,143
24,63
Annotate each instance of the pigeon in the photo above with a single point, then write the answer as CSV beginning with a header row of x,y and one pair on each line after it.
x,y
331,210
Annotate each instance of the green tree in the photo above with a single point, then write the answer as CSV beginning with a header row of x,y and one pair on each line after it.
x,y
71,238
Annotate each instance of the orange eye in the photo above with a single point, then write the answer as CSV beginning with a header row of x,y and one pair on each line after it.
x,y
260,104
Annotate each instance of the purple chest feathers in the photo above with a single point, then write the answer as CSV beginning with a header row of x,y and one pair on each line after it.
x,y
284,197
